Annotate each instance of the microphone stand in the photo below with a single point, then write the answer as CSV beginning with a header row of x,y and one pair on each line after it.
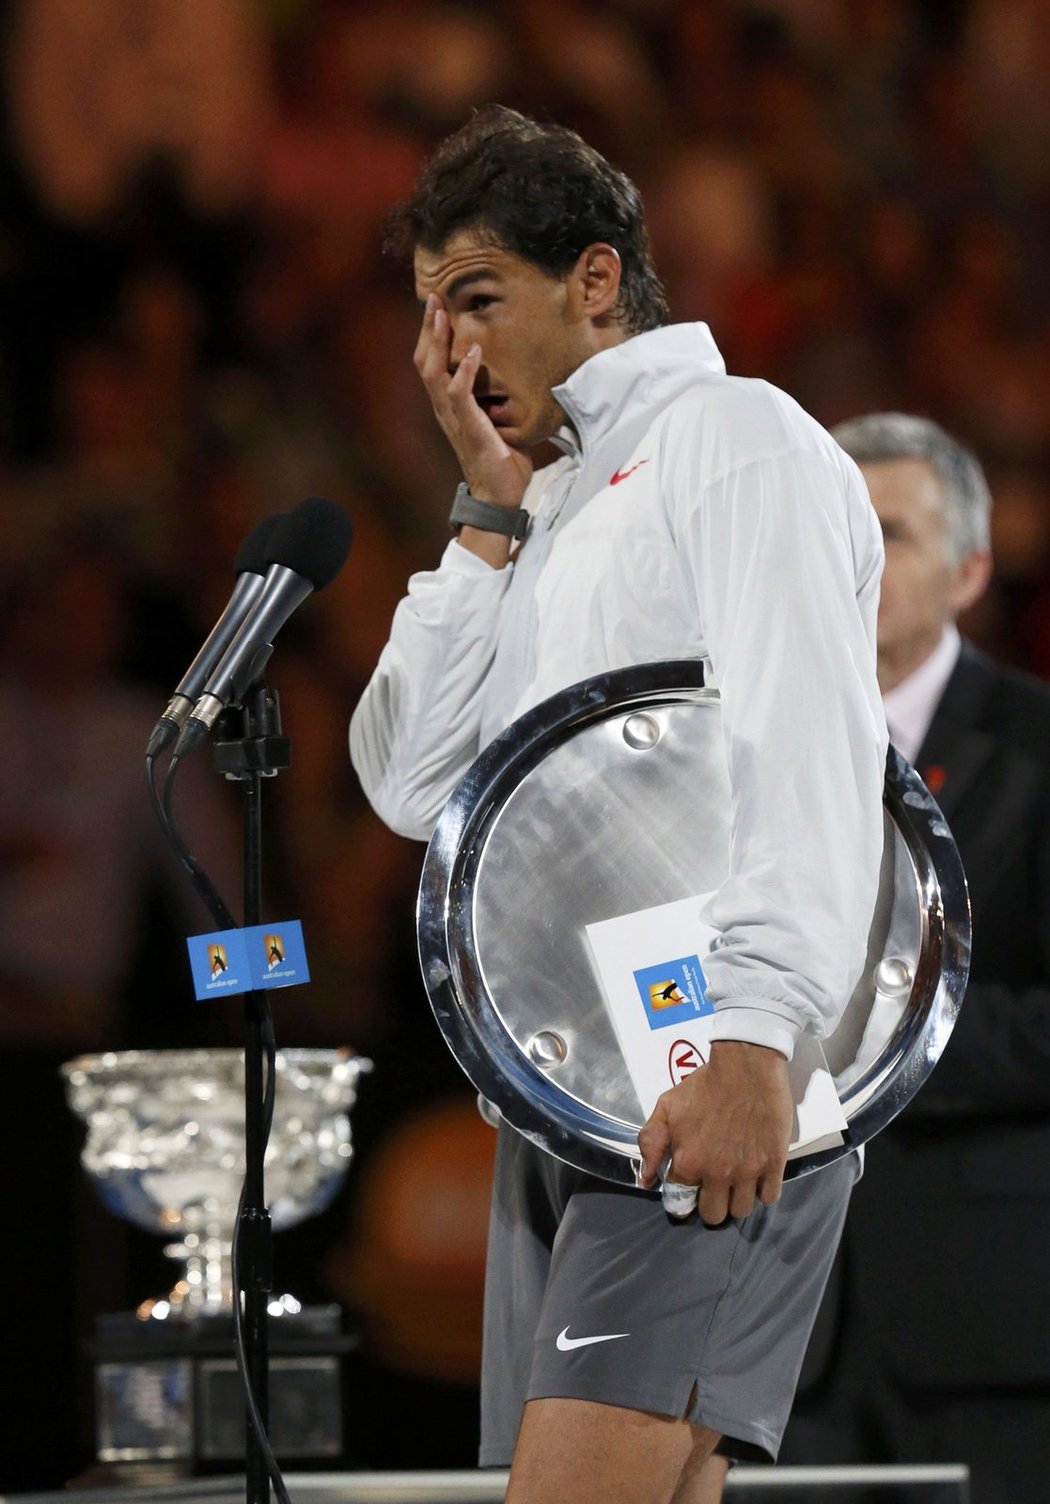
x,y
259,751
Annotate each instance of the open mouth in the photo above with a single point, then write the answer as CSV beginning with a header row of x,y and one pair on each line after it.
x,y
494,405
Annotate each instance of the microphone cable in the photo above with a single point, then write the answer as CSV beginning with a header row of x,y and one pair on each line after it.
x,y
163,809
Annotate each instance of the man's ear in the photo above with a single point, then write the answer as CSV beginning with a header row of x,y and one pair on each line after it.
x,y
594,282
971,579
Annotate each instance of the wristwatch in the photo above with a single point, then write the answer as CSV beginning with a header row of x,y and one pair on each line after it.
x,y
468,511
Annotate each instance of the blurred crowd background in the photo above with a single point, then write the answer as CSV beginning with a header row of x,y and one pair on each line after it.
x,y
199,329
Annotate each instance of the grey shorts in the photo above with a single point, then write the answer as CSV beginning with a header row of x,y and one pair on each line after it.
x,y
593,1292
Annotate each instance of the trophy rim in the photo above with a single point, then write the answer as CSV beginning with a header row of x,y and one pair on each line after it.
x,y
165,1061
526,1097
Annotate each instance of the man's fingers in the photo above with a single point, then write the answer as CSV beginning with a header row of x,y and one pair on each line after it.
x,y
654,1141
742,1199
738,1200
461,406
713,1204
462,383
452,396
770,1187
434,347
426,333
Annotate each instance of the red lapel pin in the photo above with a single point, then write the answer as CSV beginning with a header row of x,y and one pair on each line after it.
x,y
935,777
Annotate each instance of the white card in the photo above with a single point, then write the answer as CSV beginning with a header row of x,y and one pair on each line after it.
x,y
650,965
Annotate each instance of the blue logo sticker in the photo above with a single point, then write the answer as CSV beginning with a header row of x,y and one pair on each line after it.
x,y
277,954
674,992
245,960
219,963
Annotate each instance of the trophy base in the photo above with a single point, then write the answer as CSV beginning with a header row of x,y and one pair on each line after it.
x,y
168,1396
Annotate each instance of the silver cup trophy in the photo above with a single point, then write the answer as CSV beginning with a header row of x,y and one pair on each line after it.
x,y
165,1150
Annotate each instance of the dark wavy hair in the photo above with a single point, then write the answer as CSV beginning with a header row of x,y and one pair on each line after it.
x,y
539,191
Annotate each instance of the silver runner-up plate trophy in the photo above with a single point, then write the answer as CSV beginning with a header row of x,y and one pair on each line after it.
x,y
612,799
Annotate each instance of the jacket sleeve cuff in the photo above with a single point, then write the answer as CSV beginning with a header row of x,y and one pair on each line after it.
x,y
461,561
753,1025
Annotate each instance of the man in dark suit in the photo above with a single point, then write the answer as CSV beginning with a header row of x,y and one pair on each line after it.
x,y
934,1342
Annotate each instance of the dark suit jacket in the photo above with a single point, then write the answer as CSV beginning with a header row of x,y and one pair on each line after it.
x,y
947,1244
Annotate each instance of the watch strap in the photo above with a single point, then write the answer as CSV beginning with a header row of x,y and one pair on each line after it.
x,y
469,511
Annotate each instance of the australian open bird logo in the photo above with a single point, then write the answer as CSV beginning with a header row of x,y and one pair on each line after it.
x,y
274,948
665,993
217,962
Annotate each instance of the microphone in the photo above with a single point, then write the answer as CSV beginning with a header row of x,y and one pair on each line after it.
x,y
308,548
250,565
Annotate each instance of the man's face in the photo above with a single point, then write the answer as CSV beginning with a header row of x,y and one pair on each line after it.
x,y
922,588
530,324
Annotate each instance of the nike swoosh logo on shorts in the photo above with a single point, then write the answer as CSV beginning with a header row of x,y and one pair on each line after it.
x,y
567,1343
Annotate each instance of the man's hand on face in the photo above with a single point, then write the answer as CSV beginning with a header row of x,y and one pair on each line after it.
x,y
493,471
725,1128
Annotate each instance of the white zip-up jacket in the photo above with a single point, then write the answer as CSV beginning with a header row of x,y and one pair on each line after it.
x,y
694,514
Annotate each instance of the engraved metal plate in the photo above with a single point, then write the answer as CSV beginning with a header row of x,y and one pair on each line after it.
x,y
614,796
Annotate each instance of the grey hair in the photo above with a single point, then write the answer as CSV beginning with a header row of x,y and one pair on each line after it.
x,y
899,436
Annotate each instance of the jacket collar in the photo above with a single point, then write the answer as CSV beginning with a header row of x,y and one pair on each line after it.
x,y
619,390
969,686
958,744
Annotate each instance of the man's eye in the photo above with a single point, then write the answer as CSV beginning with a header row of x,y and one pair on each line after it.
x,y
480,300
